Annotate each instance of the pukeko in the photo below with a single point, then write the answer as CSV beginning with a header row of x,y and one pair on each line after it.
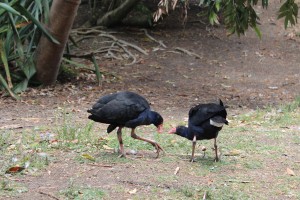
x,y
204,123
126,109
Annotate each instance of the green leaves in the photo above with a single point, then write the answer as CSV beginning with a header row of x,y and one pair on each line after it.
x,y
213,10
8,8
289,11
19,32
239,15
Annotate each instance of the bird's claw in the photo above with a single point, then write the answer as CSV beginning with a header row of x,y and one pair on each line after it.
x,y
122,156
158,149
193,160
216,159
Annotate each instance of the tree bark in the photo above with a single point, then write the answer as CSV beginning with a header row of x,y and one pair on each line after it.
x,y
117,15
48,54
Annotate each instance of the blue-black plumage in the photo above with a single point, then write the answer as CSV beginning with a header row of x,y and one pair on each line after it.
x,y
126,109
204,123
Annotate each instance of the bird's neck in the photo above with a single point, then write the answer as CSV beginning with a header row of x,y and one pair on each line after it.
x,y
182,131
147,117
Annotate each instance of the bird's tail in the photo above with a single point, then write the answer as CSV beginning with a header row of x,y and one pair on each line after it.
x,y
89,110
111,127
94,118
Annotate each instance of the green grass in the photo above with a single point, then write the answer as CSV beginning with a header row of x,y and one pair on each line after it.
x,y
76,192
11,188
267,142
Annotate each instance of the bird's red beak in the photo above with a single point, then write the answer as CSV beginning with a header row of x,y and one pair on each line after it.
x,y
172,131
160,128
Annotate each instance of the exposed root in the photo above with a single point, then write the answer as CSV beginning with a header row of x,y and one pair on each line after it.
x,y
153,39
114,48
188,52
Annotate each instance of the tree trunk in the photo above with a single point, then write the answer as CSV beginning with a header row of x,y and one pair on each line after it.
x,y
48,54
117,15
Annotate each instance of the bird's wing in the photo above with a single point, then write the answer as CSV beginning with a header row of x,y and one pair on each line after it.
x,y
203,112
118,111
103,101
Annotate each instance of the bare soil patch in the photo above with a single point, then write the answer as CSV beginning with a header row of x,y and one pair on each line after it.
x,y
246,73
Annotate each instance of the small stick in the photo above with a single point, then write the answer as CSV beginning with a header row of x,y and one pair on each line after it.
x,y
188,52
176,170
49,195
204,196
99,165
237,181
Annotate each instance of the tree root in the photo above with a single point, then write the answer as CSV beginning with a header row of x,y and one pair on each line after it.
x,y
153,39
114,48
188,52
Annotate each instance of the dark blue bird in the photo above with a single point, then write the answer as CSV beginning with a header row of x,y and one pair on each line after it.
x,y
204,123
126,109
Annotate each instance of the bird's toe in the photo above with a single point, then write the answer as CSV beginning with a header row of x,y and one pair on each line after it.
x,y
122,155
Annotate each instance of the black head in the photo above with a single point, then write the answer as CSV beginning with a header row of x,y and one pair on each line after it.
x,y
157,120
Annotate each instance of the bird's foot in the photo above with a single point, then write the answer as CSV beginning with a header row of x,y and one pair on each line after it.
x,y
122,156
122,153
216,159
158,149
203,148
193,160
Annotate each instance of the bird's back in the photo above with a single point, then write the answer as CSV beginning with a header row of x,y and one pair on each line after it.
x,y
203,112
118,108
199,120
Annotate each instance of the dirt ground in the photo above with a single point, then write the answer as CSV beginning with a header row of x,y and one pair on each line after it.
x,y
246,73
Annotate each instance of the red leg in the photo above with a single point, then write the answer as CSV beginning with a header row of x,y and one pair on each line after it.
x,y
156,145
216,149
193,149
119,132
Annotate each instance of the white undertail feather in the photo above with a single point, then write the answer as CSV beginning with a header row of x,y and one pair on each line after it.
x,y
216,124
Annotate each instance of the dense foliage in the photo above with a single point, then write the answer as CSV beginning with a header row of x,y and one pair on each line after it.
x,y
21,27
238,15
19,34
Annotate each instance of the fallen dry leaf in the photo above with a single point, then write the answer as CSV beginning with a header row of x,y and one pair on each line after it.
x,y
290,172
132,191
15,169
176,170
12,126
233,152
87,156
106,147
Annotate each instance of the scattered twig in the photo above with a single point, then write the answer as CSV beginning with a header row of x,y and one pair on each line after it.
x,y
176,170
49,195
91,31
100,165
17,180
197,21
188,52
124,43
204,196
130,54
153,39
14,126
237,181
165,186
